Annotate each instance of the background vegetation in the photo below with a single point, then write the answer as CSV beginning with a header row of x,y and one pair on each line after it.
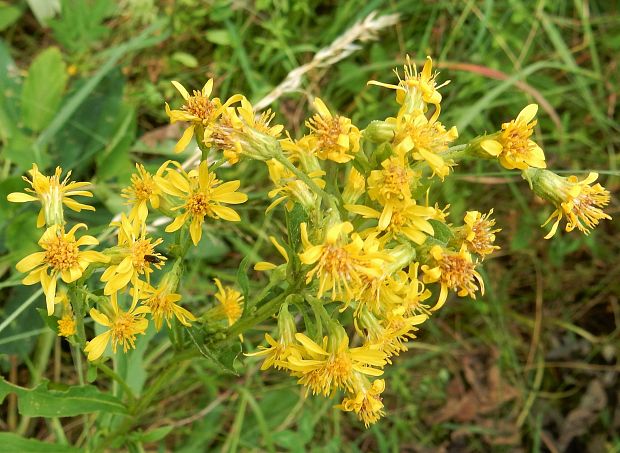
x,y
533,365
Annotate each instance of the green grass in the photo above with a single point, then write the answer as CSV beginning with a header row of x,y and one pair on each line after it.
x,y
517,362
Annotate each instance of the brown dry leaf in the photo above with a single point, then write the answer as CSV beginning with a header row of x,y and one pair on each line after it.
x,y
580,419
475,398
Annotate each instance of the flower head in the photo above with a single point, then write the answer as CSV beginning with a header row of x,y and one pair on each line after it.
x,y
409,220
278,351
479,233
579,202
231,302
365,400
203,196
290,189
200,110
332,137
455,271
144,189
135,256
340,262
123,326
416,90
162,303
513,146
247,133
66,325
391,332
61,257
424,139
391,187
52,193
330,367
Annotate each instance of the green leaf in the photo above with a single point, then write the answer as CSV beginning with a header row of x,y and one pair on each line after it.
x,y
76,400
294,218
242,277
224,360
221,37
50,321
8,15
154,435
185,59
81,23
10,90
43,89
12,442
44,9
443,232
94,124
114,160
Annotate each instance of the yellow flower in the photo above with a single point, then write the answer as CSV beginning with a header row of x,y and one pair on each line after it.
x,y
162,304
325,369
479,234
61,258
580,202
332,137
354,187
123,327
144,188
390,333
340,262
302,152
455,271
289,189
512,145
279,351
251,135
231,301
52,193
391,187
424,139
200,111
416,89
66,325
365,400
203,195
413,292
135,256
409,220
266,266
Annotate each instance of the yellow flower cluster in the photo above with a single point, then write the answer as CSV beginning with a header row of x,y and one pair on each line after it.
x,y
127,267
367,257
